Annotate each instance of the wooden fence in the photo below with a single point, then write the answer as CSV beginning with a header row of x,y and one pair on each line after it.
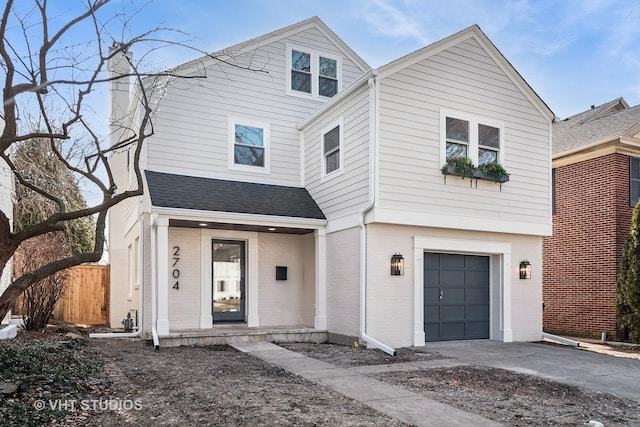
x,y
86,299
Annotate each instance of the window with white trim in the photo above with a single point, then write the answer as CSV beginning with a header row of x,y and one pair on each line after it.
x,y
311,73
248,146
473,137
332,149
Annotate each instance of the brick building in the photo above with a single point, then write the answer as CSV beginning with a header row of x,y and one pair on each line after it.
x,y
596,183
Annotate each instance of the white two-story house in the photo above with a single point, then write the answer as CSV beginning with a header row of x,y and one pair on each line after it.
x,y
311,193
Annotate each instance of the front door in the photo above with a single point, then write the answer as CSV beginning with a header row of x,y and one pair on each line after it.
x,y
228,281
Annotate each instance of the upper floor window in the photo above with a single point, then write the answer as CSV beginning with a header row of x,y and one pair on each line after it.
x,y
301,71
457,138
634,180
467,136
248,146
332,149
311,73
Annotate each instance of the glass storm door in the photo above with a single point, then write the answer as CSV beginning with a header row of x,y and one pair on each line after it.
x,y
228,281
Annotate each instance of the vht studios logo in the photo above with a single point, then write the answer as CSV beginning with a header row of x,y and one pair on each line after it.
x,y
89,405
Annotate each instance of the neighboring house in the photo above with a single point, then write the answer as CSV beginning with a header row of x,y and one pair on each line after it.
x,y
596,169
281,198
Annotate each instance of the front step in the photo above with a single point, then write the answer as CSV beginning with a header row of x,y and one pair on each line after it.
x,y
230,336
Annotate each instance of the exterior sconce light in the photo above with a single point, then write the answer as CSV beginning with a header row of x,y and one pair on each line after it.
x,y
525,269
397,265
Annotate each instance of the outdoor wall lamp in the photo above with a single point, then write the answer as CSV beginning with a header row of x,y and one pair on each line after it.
x,y
397,265
525,269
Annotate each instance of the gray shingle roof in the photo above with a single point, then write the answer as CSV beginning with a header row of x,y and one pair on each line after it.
x,y
610,120
188,192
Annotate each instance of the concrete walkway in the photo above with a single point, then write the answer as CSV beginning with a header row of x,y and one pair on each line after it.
x,y
391,400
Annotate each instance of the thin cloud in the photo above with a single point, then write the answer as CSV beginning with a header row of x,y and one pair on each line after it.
x,y
391,21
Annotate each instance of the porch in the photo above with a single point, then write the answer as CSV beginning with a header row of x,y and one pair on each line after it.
x,y
241,333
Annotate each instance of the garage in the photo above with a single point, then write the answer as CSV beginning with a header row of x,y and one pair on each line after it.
x,y
456,297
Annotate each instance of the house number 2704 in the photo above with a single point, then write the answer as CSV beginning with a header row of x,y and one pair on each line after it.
x,y
175,273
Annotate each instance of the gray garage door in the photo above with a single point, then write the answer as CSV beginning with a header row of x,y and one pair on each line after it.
x,y
456,297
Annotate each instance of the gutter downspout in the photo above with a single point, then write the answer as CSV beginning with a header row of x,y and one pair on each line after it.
x,y
154,281
363,228
140,302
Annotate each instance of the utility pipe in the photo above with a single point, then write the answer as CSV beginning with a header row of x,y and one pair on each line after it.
x,y
154,281
363,228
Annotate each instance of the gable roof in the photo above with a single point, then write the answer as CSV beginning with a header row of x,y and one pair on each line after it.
x,y
207,194
476,33
611,120
273,36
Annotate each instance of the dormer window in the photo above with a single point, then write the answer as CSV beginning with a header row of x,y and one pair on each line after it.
x,y
312,74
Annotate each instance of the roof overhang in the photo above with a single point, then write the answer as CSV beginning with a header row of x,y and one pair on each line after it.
x,y
191,218
621,145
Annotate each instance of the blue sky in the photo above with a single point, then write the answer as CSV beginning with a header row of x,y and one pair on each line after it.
x,y
573,53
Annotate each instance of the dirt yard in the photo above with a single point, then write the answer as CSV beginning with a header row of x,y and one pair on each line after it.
x,y
126,382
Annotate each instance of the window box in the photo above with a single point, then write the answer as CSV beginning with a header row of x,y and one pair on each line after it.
x,y
491,171
464,167
459,166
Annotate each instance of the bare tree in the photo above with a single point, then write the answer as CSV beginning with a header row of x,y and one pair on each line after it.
x,y
51,70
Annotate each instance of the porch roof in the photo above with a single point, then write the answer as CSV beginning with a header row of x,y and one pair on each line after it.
x,y
208,194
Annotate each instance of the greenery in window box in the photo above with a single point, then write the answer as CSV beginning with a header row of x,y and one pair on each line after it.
x,y
461,166
494,171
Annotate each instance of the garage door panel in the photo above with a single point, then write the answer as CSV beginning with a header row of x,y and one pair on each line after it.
x,y
431,260
476,312
477,279
452,330
453,278
453,296
450,261
453,312
432,294
477,330
478,296
433,276
476,263
432,330
432,313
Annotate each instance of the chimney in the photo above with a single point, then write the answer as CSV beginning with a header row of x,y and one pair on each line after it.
x,y
119,89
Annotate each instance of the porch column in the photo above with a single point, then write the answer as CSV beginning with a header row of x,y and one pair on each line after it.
x,y
320,320
162,324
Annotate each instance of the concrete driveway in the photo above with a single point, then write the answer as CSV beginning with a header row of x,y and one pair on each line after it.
x,y
570,365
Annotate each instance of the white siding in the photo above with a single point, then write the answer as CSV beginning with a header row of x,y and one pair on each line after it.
x,y
461,78
347,192
192,122
343,282
184,303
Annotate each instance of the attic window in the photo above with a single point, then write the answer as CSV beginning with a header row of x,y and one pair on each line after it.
x,y
312,74
300,71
